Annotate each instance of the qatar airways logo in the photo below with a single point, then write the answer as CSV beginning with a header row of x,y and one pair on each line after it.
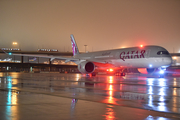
x,y
132,54
73,47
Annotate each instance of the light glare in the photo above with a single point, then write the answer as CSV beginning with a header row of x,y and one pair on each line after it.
x,y
14,43
150,65
161,71
175,58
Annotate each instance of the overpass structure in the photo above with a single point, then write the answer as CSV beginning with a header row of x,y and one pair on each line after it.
x,y
50,66
56,54
36,52
175,54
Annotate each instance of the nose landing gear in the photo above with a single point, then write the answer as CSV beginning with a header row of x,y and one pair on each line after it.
x,y
162,72
161,76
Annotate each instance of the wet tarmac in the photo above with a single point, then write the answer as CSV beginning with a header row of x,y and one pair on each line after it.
x,y
57,96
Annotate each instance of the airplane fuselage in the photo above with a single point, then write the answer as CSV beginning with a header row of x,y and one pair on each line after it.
x,y
137,57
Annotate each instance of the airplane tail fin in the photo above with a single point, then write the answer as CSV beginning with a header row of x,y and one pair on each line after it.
x,y
74,46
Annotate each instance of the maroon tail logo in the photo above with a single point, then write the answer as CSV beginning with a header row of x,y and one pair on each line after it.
x,y
73,47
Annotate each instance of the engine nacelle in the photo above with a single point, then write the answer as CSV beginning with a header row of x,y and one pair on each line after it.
x,y
86,67
146,70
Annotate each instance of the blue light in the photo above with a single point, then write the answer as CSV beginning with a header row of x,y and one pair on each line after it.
x,y
10,53
150,65
161,72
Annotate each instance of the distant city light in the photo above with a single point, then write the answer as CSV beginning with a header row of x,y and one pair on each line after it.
x,y
175,58
14,43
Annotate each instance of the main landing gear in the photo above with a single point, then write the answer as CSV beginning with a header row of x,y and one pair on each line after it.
x,y
93,74
120,74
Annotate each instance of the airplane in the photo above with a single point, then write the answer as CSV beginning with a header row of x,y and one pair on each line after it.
x,y
147,59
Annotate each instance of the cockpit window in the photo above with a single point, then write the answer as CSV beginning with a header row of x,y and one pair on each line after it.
x,y
163,53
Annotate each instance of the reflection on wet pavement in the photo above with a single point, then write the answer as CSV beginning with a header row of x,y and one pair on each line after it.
x,y
157,94
110,114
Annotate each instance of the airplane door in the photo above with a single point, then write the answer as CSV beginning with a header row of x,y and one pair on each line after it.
x,y
117,55
161,55
147,53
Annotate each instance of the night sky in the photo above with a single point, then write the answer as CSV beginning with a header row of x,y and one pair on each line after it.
x,y
99,24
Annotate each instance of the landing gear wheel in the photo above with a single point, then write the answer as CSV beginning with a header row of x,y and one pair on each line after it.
x,y
93,74
116,74
119,74
161,76
123,74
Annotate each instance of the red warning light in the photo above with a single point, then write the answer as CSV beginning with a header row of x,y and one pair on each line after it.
x,y
110,70
141,45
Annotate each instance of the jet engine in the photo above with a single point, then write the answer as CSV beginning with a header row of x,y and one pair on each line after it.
x,y
146,70
86,67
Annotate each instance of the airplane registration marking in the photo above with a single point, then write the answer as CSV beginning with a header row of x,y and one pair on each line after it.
x,y
107,56
106,53
102,56
132,54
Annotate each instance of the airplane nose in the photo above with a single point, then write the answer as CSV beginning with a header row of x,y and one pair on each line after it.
x,y
168,61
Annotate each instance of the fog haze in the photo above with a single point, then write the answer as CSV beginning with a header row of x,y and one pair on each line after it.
x,y
99,24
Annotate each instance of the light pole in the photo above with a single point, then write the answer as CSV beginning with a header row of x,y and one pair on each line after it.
x,y
14,44
85,48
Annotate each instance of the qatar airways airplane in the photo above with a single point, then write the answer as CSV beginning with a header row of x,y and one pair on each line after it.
x,y
146,59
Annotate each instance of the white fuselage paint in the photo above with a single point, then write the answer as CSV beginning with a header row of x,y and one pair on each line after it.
x,y
143,62
135,57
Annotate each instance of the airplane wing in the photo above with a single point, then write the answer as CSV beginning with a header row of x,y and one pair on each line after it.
x,y
46,56
99,64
